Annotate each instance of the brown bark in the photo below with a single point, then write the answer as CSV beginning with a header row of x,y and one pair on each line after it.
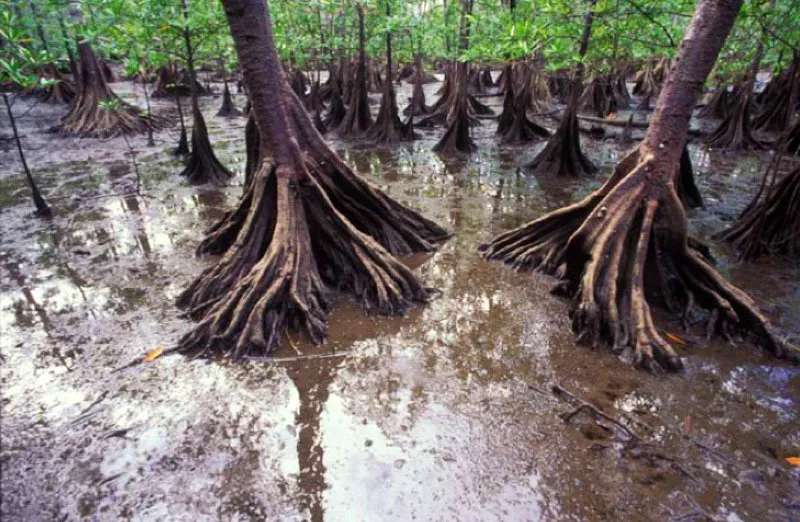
x,y
228,109
625,247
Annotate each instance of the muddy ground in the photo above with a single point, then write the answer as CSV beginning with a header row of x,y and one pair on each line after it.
x,y
448,413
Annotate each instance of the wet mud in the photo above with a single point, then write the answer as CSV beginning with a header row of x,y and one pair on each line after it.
x,y
478,406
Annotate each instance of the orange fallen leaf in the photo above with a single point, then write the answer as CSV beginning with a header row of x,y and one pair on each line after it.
x,y
152,355
675,339
612,116
793,461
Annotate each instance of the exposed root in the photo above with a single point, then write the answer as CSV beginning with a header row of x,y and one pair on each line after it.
x,y
562,155
456,139
793,140
598,97
718,106
228,109
619,89
203,166
618,251
335,116
417,105
776,111
97,111
61,92
514,127
292,252
733,133
770,226
645,83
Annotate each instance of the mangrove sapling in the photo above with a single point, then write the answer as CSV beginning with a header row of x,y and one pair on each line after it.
x,y
620,89
734,131
294,248
562,156
627,242
357,120
771,224
541,99
42,208
182,149
645,83
336,112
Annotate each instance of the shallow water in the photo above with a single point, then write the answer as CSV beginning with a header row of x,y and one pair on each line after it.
x,y
445,414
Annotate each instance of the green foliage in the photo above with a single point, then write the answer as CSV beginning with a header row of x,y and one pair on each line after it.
x,y
147,34
19,60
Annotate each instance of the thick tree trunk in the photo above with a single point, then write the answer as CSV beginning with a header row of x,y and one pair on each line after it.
x,y
290,245
625,246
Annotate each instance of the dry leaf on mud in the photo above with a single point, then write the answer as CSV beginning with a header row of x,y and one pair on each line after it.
x,y
154,354
793,461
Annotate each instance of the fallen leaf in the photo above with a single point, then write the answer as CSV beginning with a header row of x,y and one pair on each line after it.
x,y
612,116
152,355
793,461
675,339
